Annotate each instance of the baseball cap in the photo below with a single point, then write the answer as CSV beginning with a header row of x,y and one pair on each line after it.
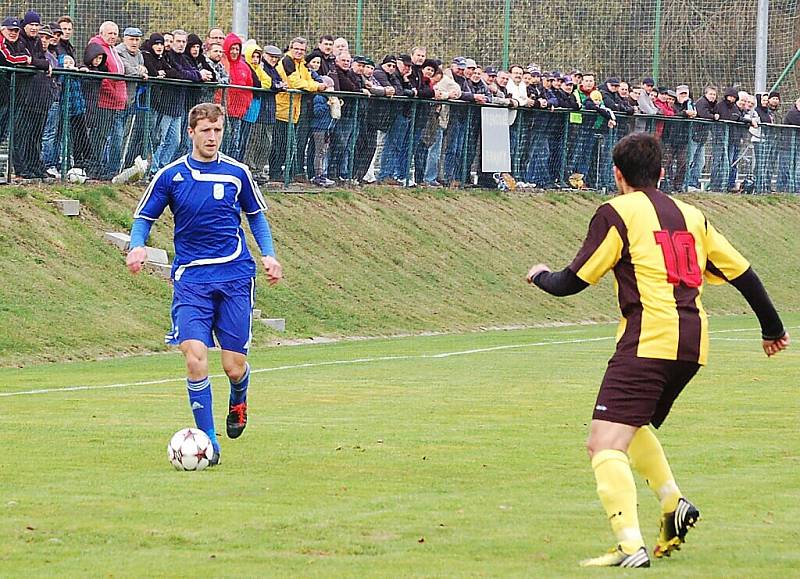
x,y
567,79
369,62
662,90
682,88
56,28
471,63
405,59
132,31
388,58
649,81
490,71
156,38
672,94
272,50
613,81
46,31
11,22
774,94
460,62
534,71
360,59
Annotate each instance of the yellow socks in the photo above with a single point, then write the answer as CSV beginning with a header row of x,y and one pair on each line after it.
x,y
617,491
648,458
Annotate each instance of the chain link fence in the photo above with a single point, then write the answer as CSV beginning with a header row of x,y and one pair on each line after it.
x,y
78,132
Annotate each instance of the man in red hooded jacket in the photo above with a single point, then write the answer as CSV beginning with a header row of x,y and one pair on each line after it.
x,y
237,100
111,105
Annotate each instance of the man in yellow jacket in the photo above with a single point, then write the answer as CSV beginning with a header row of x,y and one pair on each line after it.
x,y
292,69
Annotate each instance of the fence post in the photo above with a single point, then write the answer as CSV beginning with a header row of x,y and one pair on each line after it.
x,y
148,132
726,164
12,121
465,149
410,151
562,172
290,144
353,138
65,97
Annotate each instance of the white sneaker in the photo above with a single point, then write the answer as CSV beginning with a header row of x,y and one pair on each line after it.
x,y
53,172
691,189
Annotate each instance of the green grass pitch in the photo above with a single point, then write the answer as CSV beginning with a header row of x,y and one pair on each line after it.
x,y
451,455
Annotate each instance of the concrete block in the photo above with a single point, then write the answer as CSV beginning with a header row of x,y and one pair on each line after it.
x,y
278,324
162,269
156,255
119,240
256,313
123,240
69,207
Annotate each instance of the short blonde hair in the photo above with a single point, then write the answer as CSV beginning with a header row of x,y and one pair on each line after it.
x,y
210,111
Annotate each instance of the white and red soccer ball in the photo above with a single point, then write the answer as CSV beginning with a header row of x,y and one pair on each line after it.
x,y
190,449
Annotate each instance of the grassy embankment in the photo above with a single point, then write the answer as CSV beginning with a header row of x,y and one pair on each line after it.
x,y
366,263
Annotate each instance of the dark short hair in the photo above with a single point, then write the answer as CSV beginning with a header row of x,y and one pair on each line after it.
x,y
64,18
638,157
326,37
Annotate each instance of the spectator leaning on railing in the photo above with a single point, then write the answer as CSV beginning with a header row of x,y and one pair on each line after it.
x,y
12,53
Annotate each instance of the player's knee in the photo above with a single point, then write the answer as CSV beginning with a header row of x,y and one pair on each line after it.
x,y
234,369
196,365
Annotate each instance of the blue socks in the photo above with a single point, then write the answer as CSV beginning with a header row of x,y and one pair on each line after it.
x,y
200,402
239,389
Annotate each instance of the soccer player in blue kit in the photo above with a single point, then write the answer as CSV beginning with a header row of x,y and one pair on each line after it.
x,y
213,271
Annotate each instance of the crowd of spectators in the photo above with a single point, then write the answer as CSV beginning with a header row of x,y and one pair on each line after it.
x,y
563,125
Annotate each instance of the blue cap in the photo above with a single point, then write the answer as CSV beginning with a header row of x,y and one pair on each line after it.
x,y
132,31
11,22
460,62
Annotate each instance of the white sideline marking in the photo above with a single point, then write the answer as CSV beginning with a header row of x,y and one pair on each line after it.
x,y
339,363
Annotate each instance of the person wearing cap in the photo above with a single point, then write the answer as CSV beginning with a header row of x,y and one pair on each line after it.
x,y
52,127
787,180
725,143
645,102
369,119
34,97
130,53
766,151
295,75
167,122
706,109
676,150
457,123
12,53
394,157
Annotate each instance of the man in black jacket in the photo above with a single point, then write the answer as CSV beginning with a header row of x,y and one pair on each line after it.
x,y
34,95
706,107
12,53
725,142
789,179
344,80
325,52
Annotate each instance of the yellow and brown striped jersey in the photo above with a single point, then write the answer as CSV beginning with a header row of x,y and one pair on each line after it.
x,y
660,250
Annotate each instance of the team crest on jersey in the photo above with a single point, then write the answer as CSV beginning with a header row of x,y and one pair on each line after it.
x,y
219,191
177,178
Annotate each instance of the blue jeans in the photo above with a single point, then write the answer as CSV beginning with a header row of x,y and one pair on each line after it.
x,y
231,141
581,154
394,160
434,154
168,136
114,122
538,171
696,156
455,149
50,140
339,157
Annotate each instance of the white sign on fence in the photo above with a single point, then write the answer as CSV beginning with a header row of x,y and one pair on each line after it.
x,y
495,141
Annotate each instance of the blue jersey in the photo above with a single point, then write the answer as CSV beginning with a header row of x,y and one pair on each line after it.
x,y
206,200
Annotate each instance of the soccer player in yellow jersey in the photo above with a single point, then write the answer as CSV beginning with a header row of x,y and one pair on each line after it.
x,y
661,250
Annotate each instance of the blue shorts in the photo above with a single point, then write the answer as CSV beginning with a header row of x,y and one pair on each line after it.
x,y
224,309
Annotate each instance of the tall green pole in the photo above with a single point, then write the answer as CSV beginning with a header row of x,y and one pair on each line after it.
x,y
72,9
212,14
657,42
359,24
786,71
506,31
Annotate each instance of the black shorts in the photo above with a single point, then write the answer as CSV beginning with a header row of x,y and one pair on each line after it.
x,y
639,391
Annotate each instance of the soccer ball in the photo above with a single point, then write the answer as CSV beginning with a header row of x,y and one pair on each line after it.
x,y
190,449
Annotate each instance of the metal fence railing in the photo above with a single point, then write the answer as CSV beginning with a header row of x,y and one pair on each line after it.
x,y
74,125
